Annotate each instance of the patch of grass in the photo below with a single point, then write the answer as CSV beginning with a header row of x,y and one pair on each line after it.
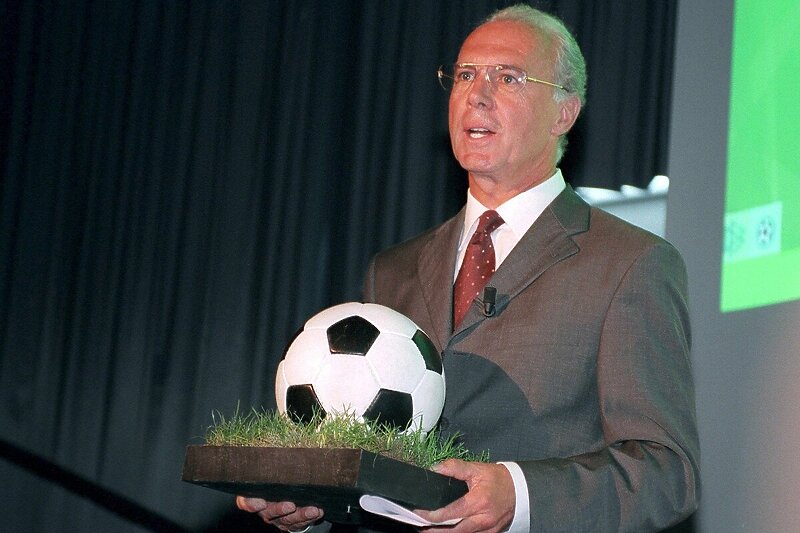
x,y
271,429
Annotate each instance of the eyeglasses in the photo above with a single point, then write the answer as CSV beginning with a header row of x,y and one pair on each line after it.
x,y
504,77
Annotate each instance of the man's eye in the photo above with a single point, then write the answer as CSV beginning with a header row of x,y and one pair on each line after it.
x,y
508,79
465,75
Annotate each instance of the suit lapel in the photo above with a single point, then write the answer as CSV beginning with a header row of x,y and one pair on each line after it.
x,y
547,242
435,269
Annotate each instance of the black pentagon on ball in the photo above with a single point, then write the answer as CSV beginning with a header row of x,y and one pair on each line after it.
x,y
433,359
302,403
352,335
391,408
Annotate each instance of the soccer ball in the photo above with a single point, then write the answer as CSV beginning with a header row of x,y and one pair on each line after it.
x,y
362,360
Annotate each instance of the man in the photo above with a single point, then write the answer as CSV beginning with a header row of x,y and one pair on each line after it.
x,y
573,368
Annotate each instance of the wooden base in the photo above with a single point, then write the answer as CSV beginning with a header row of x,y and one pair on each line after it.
x,y
330,478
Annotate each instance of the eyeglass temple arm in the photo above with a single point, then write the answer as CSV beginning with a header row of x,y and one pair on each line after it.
x,y
537,80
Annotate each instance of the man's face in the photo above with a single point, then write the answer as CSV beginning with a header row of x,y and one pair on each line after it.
x,y
510,138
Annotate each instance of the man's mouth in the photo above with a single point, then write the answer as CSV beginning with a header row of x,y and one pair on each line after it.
x,y
478,133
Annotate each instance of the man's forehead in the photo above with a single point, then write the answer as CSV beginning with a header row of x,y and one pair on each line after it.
x,y
507,42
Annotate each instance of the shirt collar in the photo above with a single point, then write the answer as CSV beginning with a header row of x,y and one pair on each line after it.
x,y
519,212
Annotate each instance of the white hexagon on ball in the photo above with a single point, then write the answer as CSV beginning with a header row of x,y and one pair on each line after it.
x,y
397,364
346,384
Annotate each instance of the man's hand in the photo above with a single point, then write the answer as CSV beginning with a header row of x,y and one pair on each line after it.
x,y
286,516
488,506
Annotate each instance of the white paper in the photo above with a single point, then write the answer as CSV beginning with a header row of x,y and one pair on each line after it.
x,y
389,509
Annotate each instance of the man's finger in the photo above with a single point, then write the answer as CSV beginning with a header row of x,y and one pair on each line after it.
x,y
251,505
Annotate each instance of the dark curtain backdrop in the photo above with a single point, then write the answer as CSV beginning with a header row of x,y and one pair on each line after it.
x,y
184,183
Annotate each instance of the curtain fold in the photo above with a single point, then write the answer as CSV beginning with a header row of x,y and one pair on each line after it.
x,y
184,184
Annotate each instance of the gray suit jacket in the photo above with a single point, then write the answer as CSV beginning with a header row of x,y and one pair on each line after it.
x,y
582,376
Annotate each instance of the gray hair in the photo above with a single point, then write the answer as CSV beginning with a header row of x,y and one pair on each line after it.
x,y
570,67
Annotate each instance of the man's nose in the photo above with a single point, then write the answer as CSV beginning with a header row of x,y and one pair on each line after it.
x,y
481,92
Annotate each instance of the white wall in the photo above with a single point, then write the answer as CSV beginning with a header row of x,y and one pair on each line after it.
x,y
647,208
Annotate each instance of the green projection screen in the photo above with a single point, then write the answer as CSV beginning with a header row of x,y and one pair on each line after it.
x,y
761,245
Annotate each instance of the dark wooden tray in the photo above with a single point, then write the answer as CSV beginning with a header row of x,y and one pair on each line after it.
x,y
330,478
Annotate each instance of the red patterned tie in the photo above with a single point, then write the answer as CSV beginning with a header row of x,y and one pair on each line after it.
x,y
477,267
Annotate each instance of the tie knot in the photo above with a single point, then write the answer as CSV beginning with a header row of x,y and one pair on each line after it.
x,y
489,221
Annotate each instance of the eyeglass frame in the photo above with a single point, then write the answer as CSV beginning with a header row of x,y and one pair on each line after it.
x,y
524,78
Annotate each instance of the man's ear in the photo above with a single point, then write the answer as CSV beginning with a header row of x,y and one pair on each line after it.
x,y
570,108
